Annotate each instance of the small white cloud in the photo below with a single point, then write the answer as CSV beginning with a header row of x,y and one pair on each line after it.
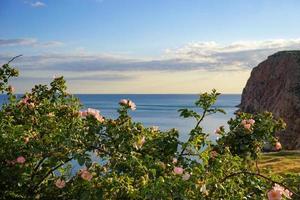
x,y
18,42
37,4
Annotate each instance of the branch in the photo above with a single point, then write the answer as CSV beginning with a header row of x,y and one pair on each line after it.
x,y
50,172
191,137
35,170
259,175
14,58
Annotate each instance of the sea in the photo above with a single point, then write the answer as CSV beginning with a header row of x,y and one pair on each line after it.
x,y
162,109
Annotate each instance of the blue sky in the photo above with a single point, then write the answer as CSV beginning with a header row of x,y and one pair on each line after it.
x,y
124,45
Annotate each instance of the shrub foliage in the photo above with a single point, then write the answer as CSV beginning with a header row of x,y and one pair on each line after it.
x,y
52,149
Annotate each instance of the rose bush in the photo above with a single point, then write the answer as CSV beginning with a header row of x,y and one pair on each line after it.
x,y
45,135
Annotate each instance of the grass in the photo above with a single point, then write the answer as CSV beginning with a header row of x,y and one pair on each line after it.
x,y
281,162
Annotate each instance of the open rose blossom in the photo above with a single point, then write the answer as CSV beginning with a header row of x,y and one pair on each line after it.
x,y
132,105
178,170
247,126
93,112
277,191
274,195
123,102
248,123
244,122
278,146
60,183
21,160
83,113
86,175
129,103
251,121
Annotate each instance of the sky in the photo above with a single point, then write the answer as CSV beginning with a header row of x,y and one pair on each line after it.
x,y
144,46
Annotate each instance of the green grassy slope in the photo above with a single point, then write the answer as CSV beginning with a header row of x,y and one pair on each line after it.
x,y
281,162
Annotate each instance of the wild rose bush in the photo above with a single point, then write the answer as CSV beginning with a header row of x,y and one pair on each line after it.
x,y
45,135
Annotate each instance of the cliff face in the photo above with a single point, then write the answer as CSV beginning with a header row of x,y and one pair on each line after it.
x,y
274,85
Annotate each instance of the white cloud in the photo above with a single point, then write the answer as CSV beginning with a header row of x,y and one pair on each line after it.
x,y
28,42
210,61
209,56
17,42
37,4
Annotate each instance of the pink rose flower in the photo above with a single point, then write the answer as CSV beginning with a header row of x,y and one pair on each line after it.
x,y
132,105
287,193
186,176
21,160
83,113
251,121
60,183
174,161
94,112
25,100
86,175
248,123
244,122
277,192
278,146
178,170
274,195
218,131
247,126
129,103
123,102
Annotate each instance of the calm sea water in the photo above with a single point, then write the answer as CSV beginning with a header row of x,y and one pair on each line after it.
x,y
161,109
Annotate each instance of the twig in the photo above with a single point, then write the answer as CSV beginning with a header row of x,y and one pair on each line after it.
x,y
257,168
14,58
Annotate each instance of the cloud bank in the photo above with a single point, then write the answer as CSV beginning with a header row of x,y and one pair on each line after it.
x,y
205,59
210,56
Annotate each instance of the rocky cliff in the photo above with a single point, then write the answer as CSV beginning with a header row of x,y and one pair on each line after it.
x,y
274,85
